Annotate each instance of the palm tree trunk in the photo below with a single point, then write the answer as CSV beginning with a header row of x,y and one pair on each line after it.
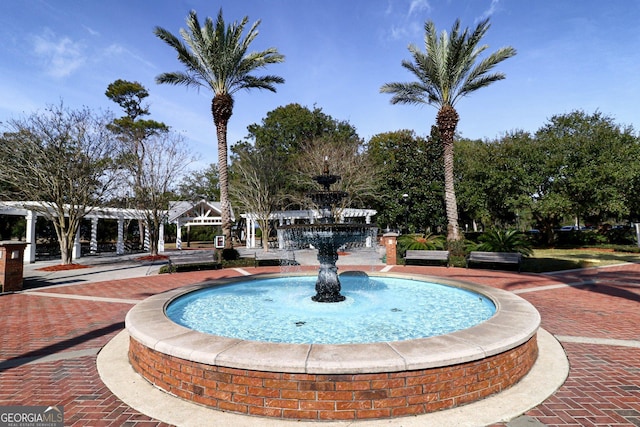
x,y
447,121
221,107
224,185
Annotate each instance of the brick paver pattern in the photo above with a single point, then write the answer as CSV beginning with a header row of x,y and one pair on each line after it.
x,y
595,314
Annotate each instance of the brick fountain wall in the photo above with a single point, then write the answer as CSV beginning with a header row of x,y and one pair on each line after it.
x,y
334,397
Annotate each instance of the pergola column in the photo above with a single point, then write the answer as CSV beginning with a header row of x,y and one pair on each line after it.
x,y
30,250
76,252
120,242
93,245
367,220
246,232
178,236
280,235
147,237
161,237
251,232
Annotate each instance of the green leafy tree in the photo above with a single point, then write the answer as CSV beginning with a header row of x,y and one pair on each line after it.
x,y
217,57
591,149
568,171
200,184
409,165
133,132
449,70
289,128
491,175
472,171
130,96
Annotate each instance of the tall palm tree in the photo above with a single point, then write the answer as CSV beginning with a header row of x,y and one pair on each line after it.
x,y
216,57
446,72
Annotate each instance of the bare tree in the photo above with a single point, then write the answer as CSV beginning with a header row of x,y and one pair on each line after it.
x,y
162,166
60,160
257,185
358,175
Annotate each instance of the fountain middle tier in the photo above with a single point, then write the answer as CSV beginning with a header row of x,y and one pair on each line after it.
x,y
327,238
296,236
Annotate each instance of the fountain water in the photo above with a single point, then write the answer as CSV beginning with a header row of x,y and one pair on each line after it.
x,y
327,236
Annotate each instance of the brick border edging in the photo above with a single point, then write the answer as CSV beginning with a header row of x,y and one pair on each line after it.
x,y
333,396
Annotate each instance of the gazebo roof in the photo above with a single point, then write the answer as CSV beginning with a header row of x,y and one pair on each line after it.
x,y
201,212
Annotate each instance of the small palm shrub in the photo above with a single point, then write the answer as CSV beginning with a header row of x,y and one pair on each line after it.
x,y
505,241
419,242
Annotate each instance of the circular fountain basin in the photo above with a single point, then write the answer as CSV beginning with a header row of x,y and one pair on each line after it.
x,y
335,381
375,310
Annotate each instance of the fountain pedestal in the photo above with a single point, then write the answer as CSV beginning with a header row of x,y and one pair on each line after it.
x,y
328,284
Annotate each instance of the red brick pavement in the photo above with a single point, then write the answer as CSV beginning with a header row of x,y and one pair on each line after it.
x,y
603,388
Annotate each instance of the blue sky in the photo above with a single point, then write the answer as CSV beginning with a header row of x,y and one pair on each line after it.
x,y
571,55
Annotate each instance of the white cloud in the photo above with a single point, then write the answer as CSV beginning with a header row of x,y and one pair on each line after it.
x,y
91,31
408,31
116,50
492,8
389,9
408,26
417,6
61,56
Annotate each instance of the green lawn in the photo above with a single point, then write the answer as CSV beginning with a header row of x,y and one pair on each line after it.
x,y
544,260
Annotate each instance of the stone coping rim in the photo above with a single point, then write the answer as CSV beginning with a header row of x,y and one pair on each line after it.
x,y
514,323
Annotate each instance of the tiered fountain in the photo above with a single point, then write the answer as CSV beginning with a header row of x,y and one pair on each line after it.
x,y
318,379
327,236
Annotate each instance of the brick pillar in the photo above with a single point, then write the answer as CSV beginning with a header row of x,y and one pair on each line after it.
x,y
11,265
389,240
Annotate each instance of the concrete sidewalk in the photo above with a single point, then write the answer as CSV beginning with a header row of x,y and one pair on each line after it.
x,y
98,269
107,267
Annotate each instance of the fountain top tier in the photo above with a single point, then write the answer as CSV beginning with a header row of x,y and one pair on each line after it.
x,y
326,179
326,200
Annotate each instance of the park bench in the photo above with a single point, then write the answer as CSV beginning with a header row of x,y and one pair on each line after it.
x,y
274,258
479,257
192,261
420,256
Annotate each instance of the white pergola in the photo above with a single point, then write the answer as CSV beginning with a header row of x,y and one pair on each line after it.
x,y
306,216
181,213
31,210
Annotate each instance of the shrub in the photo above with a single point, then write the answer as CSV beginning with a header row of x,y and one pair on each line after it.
x,y
505,241
621,236
459,248
419,242
230,254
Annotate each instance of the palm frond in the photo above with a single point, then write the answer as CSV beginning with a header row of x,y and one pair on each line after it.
x,y
216,55
420,242
448,68
505,241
